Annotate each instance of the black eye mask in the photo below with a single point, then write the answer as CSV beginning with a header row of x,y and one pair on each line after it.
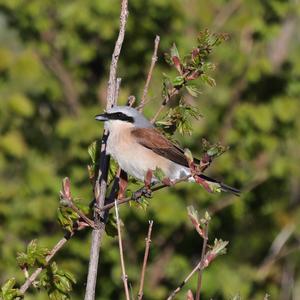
x,y
119,116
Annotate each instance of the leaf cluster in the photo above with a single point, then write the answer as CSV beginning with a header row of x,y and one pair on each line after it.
x,y
57,282
8,290
179,118
35,256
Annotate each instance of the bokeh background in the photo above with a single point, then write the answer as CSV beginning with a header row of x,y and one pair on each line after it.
x,y
54,60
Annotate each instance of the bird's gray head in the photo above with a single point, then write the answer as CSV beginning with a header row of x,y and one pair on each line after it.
x,y
125,114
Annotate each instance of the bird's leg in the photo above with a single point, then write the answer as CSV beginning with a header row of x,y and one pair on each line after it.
x,y
148,179
146,189
123,182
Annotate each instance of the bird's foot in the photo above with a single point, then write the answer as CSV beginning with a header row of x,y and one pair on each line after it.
x,y
123,182
144,191
148,179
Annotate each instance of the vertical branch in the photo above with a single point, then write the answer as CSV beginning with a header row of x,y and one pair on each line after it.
x,y
204,245
101,184
116,54
124,275
149,76
117,88
148,242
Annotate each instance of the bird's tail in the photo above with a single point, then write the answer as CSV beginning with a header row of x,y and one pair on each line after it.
x,y
211,184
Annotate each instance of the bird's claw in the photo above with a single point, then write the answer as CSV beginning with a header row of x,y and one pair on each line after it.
x,y
144,191
147,192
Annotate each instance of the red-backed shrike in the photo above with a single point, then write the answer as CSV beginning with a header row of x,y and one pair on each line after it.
x,y
139,148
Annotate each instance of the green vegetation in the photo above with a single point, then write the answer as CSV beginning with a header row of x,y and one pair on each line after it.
x,y
54,59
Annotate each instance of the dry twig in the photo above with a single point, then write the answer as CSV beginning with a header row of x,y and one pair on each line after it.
x,y
153,61
173,92
199,266
148,242
124,275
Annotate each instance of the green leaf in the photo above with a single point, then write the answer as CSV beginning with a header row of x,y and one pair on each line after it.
x,y
34,255
66,217
8,292
159,174
219,247
113,167
174,51
208,80
179,118
178,81
193,90
92,150
213,150
57,282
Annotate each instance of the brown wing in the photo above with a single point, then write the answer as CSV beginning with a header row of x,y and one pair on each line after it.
x,y
155,141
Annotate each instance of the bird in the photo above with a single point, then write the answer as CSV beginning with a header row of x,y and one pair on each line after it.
x,y
140,149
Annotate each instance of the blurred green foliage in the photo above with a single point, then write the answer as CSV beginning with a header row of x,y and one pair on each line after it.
x,y
54,59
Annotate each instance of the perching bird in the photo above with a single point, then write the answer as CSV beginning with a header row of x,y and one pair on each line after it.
x,y
139,148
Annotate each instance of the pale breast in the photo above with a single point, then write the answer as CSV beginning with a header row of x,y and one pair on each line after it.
x,y
135,159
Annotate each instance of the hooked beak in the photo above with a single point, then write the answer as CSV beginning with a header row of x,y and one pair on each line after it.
x,y
102,117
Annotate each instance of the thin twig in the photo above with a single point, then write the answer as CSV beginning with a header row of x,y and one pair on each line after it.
x,y
147,248
153,61
130,100
200,265
124,275
204,245
116,54
101,183
172,93
80,213
134,197
31,279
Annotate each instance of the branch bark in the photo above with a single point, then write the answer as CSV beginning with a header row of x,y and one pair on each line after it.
x,y
101,184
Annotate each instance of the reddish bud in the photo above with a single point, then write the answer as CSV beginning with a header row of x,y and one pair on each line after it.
x,y
202,182
177,64
66,188
195,53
